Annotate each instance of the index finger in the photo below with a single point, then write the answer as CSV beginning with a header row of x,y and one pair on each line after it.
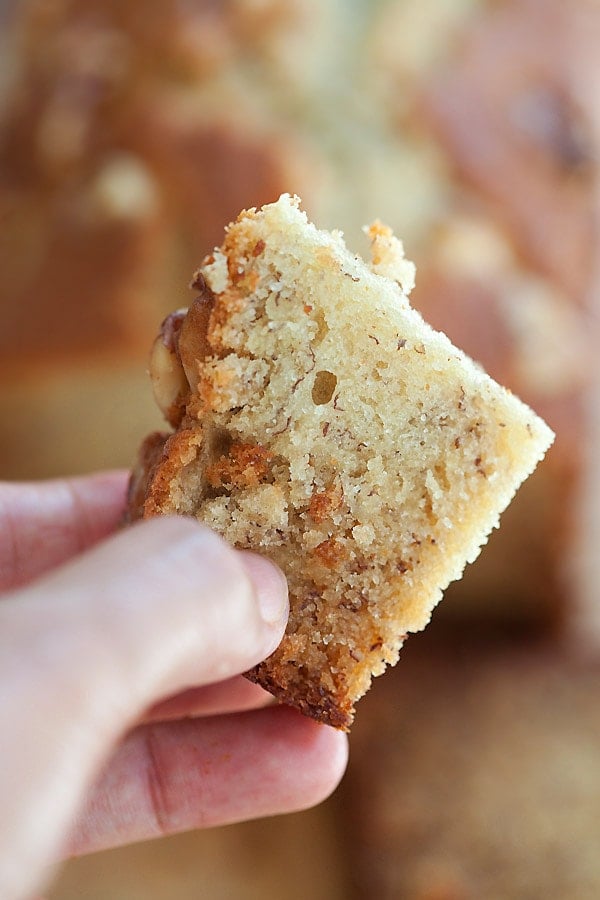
x,y
45,523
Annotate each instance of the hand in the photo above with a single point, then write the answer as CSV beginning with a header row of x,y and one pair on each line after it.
x,y
105,645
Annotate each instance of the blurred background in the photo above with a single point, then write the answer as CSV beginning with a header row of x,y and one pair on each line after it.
x,y
130,134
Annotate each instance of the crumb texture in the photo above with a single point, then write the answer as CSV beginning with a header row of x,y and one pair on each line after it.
x,y
325,424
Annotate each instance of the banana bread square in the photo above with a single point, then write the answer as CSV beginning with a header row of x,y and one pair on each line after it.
x,y
319,420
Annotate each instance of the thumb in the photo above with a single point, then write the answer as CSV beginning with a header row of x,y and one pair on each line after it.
x,y
85,650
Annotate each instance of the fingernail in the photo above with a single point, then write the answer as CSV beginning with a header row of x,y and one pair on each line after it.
x,y
270,585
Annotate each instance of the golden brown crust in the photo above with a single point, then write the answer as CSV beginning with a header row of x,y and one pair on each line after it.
x,y
180,449
142,476
310,697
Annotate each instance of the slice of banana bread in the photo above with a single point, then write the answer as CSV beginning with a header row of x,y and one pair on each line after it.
x,y
320,421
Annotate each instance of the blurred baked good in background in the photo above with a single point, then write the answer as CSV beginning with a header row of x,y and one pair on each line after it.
x,y
475,775
130,134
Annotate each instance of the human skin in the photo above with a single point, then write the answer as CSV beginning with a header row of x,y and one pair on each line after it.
x,y
123,712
